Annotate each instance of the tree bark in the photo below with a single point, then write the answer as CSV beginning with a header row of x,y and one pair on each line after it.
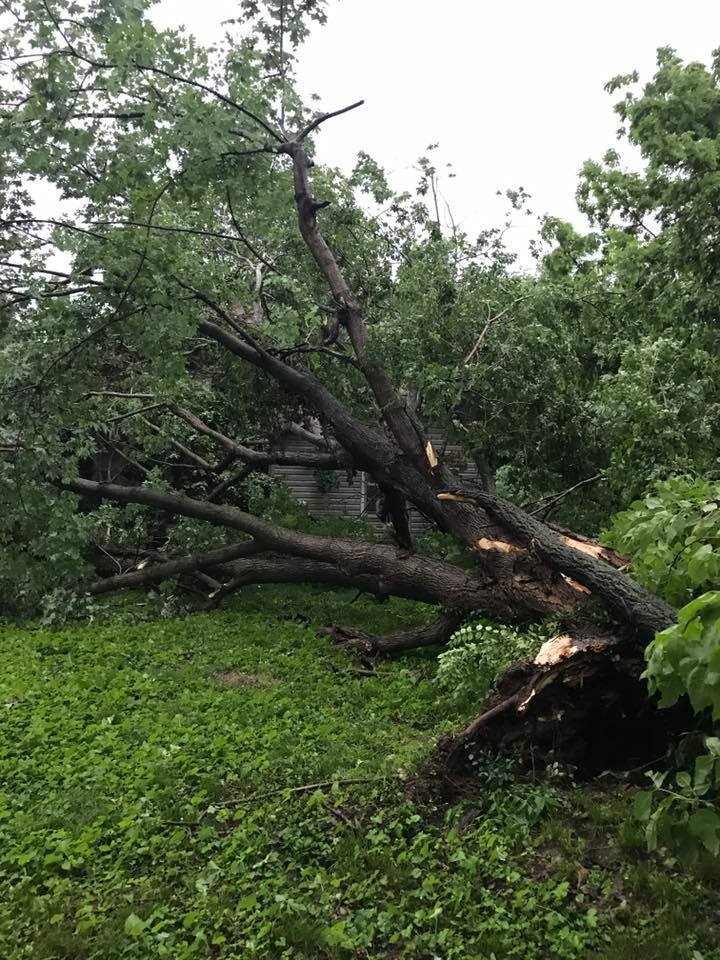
x,y
504,590
630,602
166,570
540,572
430,635
524,568
395,512
379,568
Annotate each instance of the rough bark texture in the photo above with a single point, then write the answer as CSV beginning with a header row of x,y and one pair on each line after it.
x,y
394,511
630,602
433,634
384,569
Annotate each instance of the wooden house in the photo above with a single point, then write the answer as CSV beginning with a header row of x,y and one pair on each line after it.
x,y
330,494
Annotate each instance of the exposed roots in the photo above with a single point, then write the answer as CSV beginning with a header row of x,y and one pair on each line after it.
x,y
580,702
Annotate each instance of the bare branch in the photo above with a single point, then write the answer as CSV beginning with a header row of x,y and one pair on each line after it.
x,y
176,78
546,504
486,328
233,448
179,446
243,238
285,352
134,413
171,568
215,93
164,228
326,461
419,578
314,124
133,463
318,439
230,481
117,393
405,428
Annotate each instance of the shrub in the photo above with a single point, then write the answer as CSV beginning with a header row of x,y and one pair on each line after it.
x,y
673,536
480,651
684,660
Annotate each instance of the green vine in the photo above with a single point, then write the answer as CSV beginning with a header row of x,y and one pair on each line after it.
x,y
327,480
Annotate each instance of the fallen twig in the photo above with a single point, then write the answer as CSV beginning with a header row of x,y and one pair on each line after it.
x,y
358,671
303,788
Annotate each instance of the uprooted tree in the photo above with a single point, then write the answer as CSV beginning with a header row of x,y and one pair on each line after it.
x,y
196,284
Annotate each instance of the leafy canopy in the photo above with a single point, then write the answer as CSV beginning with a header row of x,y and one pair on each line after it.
x,y
604,363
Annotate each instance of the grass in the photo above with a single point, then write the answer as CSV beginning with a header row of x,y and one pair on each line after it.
x,y
145,809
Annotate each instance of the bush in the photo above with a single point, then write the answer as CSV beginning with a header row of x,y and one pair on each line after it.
x,y
673,536
684,660
480,651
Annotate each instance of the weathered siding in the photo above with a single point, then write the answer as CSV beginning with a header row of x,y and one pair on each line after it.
x,y
348,493
342,501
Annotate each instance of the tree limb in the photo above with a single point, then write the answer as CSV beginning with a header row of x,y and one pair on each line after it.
x,y
625,598
326,461
392,570
321,118
170,568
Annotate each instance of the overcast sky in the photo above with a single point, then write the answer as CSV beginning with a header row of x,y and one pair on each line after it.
x,y
512,90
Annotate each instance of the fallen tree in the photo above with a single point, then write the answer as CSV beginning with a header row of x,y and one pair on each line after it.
x,y
524,568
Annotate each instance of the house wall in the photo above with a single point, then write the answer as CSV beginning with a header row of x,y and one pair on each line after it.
x,y
342,501
351,494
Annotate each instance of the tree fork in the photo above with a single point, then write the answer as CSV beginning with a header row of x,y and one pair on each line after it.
x,y
384,569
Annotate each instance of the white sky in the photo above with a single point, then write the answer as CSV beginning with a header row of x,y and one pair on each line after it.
x,y
512,90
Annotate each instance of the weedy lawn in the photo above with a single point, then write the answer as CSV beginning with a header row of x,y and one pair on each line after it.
x,y
148,808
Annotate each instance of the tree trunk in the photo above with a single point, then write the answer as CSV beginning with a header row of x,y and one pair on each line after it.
x,y
582,700
395,512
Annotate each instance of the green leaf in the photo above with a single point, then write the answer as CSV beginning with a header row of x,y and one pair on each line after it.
x,y
134,926
642,805
700,565
334,936
705,825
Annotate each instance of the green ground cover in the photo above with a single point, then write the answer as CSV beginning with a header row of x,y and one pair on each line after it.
x,y
147,809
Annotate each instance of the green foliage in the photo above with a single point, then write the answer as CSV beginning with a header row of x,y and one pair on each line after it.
x,y
60,606
603,361
673,537
147,155
659,398
607,359
270,498
326,480
658,410
685,658
147,811
135,763
480,651
681,811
